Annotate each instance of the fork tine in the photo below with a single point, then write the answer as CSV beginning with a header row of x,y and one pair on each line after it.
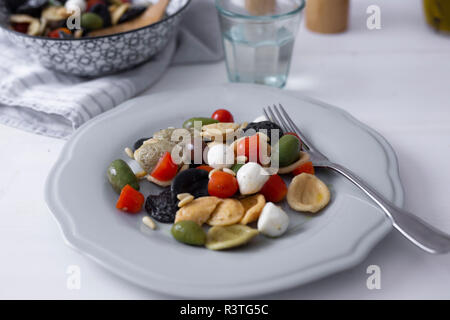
x,y
280,120
277,120
265,113
285,127
297,130
273,117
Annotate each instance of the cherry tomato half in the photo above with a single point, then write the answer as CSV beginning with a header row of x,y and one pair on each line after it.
x,y
275,189
222,115
306,167
251,148
165,169
222,185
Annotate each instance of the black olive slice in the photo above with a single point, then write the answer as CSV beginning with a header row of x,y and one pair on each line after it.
x,y
193,181
32,7
132,13
162,207
267,125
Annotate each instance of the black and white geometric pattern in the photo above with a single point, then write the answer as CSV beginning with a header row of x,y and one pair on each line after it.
x,y
98,56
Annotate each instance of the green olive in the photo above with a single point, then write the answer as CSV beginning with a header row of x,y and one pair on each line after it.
x,y
91,21
188,232
189,123
220,238
120,174
288,150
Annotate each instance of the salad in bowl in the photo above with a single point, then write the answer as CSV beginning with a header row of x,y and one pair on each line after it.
x,y
91,38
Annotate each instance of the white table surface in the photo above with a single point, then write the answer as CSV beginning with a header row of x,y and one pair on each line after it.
x,y
395,79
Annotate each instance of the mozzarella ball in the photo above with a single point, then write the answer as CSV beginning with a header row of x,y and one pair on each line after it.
x,y
251,178
221,156
273,221
72,5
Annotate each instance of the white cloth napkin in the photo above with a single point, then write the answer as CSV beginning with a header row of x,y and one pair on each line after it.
x,y
35,99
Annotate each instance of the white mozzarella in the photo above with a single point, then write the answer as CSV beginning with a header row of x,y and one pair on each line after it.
x,y
273,221
221,156
251,178
72,5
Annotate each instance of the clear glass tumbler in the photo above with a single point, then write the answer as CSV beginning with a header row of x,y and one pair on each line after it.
x,y
258,37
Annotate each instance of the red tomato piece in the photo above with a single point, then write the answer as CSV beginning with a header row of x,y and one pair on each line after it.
x,y
91,3
275,189
130,200
306,167
222,115
55,33
165,169
206,168
222,185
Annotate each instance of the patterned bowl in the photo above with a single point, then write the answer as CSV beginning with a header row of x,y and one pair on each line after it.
x,y
97,56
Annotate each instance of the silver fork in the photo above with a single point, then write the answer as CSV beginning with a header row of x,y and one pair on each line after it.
x,y
413,228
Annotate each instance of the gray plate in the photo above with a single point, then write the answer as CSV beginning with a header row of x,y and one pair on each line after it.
x,y
78,194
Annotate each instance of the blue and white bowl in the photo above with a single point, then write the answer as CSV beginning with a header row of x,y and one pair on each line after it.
x,y
97,56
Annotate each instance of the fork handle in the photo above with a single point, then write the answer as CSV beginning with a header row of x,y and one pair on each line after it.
x,y
413,228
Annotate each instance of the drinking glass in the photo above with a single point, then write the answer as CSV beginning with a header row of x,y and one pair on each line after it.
x,y
258,38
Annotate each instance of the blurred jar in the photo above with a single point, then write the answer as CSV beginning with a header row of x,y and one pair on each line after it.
x,y
327,16
437,14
